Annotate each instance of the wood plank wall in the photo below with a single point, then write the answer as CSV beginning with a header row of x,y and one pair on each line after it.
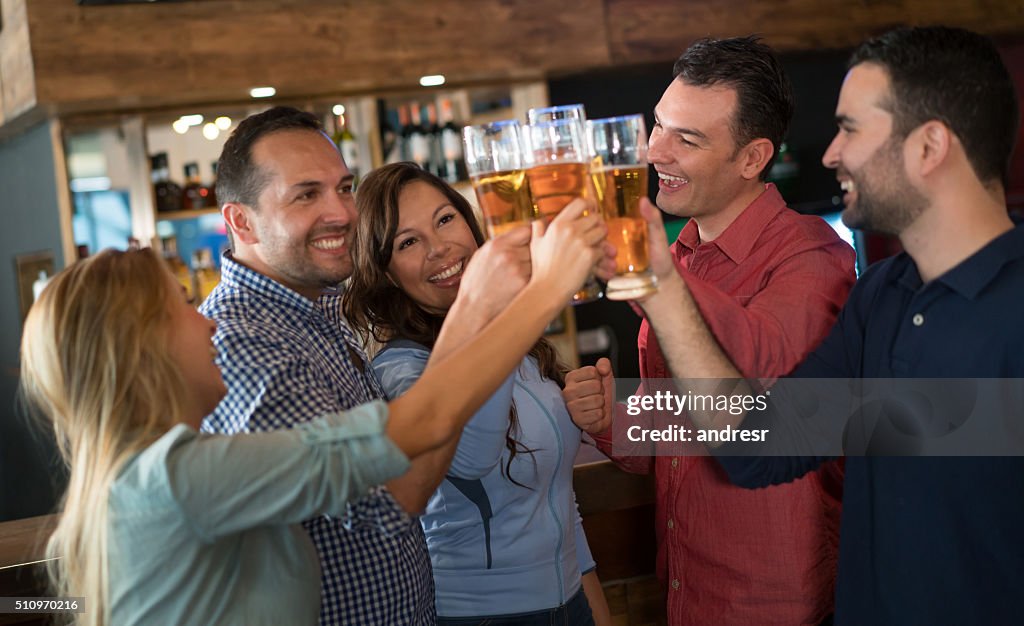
x,y
129,57
17,77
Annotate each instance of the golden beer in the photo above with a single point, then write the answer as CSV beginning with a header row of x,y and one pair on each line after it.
x,y
555,185
621,189
504,199
629,236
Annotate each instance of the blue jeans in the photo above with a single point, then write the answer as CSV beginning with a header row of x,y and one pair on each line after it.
x,y
575,612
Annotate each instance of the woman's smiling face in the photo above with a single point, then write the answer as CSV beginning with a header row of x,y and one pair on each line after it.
x,y
432,245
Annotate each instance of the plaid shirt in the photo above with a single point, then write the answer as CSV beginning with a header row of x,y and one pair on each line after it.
x,y
287,360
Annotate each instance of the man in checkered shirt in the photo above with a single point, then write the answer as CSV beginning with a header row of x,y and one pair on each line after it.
x,y
288,356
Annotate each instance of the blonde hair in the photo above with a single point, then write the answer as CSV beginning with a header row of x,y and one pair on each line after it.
x,y
94,360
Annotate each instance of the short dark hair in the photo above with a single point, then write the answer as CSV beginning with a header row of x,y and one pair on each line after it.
x,y
238,178
954,76
764,96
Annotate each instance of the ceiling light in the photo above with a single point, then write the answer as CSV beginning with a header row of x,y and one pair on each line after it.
x,y
262,92
432,81
210,131
180,126
191,120
223,122
339,109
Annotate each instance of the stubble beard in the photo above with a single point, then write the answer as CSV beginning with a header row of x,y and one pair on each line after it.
x,y
887,202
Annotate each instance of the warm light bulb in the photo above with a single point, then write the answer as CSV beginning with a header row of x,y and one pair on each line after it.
x,y
192,120
262,92
432,81
210,131
339,109
223,122
180,127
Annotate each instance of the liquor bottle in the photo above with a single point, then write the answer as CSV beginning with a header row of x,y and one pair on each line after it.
x,y
347,145
169,246
196,195
419,143
206,275
168,193
785,172
390,132
436,165
451,145
39,284
405,133
212,198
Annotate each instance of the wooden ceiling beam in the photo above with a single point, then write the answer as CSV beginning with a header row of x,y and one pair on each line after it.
x,y
59,57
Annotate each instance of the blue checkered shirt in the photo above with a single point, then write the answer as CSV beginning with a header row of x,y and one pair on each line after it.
x,y
286,360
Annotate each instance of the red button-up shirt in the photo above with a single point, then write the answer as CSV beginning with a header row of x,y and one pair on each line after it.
x,y
769,288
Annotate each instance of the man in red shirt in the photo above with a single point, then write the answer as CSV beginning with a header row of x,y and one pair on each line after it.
x,y
767,283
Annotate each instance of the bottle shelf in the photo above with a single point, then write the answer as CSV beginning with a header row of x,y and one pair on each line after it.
x,y
186,215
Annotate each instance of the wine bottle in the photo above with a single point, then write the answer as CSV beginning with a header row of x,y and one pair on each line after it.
x,y
195,195
347,145
168,193
169,245
451,145
436,165
419,143
212,198
390,132
405,133
206,274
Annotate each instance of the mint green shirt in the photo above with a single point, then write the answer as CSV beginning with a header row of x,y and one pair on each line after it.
x,y
204,528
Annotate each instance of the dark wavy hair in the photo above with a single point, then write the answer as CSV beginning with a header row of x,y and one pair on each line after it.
x,y
375,307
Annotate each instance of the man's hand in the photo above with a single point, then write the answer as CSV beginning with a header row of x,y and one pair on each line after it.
x,y
662,264
589,395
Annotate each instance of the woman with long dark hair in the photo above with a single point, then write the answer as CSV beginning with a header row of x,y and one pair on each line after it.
x,y
504,535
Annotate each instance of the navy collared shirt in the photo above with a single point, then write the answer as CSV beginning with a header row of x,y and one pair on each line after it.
x,y
925,540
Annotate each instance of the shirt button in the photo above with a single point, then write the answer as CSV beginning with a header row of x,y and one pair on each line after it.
x,y
675,462
675,583
671,524
918,319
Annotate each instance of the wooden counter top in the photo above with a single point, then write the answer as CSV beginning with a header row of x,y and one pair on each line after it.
x,y
24,541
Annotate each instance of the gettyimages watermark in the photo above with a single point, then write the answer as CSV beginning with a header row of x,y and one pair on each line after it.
x,y
819,417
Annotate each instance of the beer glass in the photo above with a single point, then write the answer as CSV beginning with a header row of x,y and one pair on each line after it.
x,y
566,112
563,112
557,161
621,145
495,163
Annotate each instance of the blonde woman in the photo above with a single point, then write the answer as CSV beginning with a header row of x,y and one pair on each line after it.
x,y
162,525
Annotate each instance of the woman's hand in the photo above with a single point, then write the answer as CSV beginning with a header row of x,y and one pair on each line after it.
x,y
496,273
565,251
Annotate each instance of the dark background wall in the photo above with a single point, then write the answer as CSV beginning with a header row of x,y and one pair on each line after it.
x,y
30,476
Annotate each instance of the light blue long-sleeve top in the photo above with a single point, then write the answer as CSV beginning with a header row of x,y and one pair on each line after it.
x,y
496,547
204,529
